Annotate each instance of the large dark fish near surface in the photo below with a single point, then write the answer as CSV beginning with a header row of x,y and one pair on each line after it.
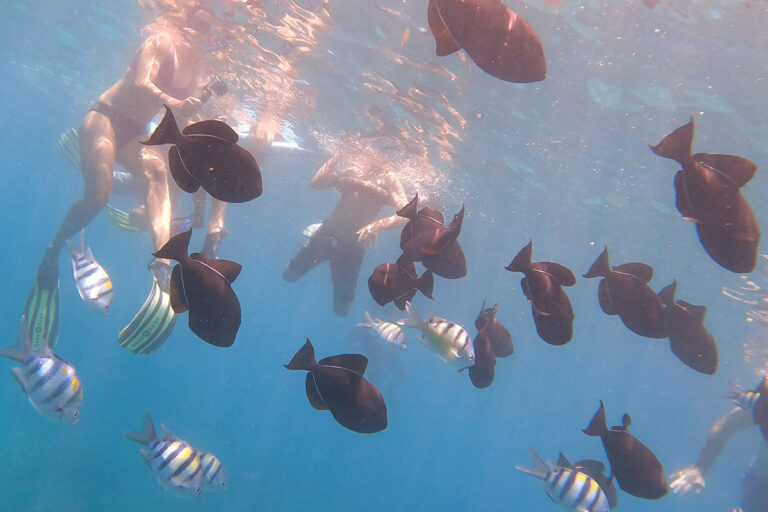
x,y
636,468
688,338
760,411
624,291
543,287
397,282
708,193
204,288
337,384
491,336
425,238
500,41
206,154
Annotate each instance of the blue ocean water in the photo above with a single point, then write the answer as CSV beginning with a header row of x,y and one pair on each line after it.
x,y
564,162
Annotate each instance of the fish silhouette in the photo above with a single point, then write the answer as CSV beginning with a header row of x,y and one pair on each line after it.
x,y
491,337
497,39
636,468
337,384
501,340
543,287
708,193
206,154
624,291
688,338
397,282
203,287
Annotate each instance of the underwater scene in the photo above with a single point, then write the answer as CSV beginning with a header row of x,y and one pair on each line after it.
x,y
384,255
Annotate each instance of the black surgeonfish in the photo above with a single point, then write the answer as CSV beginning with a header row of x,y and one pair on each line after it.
x,y
497,39
501,340
688,338
543,287
636,468
424,238
203,287
491,336
624,291
397,282
337,384
206,154
708,193
760,411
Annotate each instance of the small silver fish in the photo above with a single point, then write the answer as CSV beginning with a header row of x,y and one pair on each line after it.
x,y
448,339
215,477
50,383
389,332
92,281
176,464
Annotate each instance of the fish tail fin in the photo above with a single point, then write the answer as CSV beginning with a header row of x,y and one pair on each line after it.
x,y
597,427
304,358
24,346
426,283
667,294
368,321
601,267
176,248
147,435
167,132
414,319
410,210
77,250
540,470
677,145
522,261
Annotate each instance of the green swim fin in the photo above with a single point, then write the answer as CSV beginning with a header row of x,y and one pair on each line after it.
x,y
152,324
121,219
42,314
69,146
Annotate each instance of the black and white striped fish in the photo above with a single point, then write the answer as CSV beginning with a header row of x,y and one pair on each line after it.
x,y
215,477
389,332
176,463
448,339
573,488
92,281
50,383
745,399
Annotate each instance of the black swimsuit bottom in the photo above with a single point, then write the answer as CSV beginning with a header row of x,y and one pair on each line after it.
x,y
125,129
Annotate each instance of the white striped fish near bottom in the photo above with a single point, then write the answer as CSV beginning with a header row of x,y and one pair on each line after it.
x,y
92,281
387,331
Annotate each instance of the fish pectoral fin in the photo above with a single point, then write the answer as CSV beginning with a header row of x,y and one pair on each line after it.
x,y
18,374
178,299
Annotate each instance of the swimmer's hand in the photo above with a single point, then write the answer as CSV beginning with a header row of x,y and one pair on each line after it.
x,y
687,480
368,234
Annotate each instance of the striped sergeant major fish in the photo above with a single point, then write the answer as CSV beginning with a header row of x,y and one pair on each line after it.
x,y
214,476
448,339
389,332
50,383
176,463
745,399
92,281
582,488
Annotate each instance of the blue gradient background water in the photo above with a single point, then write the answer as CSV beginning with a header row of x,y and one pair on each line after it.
x,y
619,79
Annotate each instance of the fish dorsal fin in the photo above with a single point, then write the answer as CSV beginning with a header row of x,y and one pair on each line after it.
x,y
560,273
213,128
667,294
738,169
445,43
640,270
410,210
563,461
698,312
353,362
228,269
165,434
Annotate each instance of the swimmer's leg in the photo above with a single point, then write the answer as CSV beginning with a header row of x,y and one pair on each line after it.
x,y
316,250
345,269
216,230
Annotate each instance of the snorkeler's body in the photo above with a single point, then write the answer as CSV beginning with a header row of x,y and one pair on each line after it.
x,y
755,481
343,236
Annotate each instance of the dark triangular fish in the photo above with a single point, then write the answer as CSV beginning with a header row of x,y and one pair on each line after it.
x,y
499,336
688,338
627,295
708,193
203,287
543,287
497,39
337,384
397,282
760,411
637,470
482,372
206,155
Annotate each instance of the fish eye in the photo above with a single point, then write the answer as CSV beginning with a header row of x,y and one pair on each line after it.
x,y
76,414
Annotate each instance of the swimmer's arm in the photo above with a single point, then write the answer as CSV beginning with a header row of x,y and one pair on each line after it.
x,y
721,432
147,66
398,199
324,178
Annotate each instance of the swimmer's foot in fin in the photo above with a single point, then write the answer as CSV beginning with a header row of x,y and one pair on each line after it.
x,y
152,324
42,306
212,242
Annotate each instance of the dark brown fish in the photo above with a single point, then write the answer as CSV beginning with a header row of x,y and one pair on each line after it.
x,y
497,39
203,287
624,291
501,340
491,337
708,193
337,384
688,338
397,282
424,238
760,411
636,468
543,287
206,155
